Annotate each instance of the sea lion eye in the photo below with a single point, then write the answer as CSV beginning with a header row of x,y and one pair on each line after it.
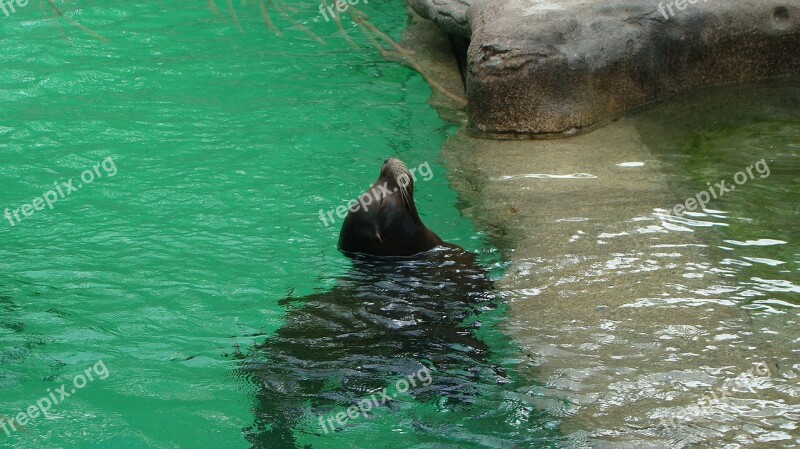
x,y
385,161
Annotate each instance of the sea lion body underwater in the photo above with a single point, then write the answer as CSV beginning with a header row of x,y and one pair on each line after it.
x,y
404,305
386,223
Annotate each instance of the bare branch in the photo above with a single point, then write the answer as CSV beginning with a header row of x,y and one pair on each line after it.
x,y
297,24
235,18
338,21
407,56
265,14
86,30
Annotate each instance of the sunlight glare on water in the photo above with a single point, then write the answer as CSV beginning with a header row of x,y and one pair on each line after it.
x,y
648,320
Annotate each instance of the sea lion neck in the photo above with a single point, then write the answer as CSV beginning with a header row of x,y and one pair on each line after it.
x,y
385,223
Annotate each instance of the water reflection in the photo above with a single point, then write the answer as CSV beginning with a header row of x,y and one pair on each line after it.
x,y
632,316
383,321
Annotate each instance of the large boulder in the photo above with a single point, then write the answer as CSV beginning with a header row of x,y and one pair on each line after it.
x,y
562,66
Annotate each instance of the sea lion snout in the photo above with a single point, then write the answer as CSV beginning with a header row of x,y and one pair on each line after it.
x,y
395,170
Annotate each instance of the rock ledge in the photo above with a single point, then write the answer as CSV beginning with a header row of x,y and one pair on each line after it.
x,y
559,67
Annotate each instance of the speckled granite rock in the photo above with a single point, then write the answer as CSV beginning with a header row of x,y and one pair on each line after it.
x,y
449,14
558,67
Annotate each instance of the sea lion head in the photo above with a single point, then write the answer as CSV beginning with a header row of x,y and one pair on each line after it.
x,y
399,180
385,222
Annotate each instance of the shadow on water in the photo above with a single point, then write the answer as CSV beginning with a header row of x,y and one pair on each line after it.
x,y
16,342
384,320
7,308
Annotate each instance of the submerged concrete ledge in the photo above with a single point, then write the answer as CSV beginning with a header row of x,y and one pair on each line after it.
x,y
559,67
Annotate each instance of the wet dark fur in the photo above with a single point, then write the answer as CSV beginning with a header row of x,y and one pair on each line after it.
x,y
379,323
390,226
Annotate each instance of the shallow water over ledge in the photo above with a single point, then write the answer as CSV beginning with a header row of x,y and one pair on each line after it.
x,y
648,329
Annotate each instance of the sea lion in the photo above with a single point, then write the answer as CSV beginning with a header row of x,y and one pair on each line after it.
x,y
410,302
385,222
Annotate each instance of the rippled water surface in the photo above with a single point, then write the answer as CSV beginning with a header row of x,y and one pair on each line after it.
x,y
187,164
215,152
648,329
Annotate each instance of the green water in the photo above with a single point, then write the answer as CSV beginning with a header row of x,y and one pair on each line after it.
x,y
211,154
224,146
740,144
